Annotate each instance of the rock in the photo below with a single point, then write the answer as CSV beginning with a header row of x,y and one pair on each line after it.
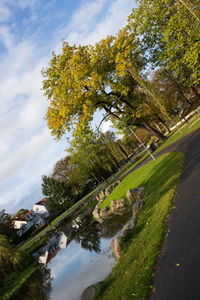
x,y
136,206
129,196
114,185
115,247
113,206
120,203
95,213
108,191
128,228
102,199
89,292
139,193
104,213
102,195
97,198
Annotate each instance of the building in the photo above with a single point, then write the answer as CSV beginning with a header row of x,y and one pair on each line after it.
x,y
29,219
40,208
47,252
19,222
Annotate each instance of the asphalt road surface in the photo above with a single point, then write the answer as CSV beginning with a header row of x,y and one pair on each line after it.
x,y
177,276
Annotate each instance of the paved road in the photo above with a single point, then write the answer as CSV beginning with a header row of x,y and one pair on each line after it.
x,y
178,273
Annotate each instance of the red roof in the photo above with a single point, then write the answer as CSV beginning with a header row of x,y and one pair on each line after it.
x,y
42,202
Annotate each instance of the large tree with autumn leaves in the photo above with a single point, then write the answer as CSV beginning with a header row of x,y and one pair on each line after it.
x,y
110,75
84,79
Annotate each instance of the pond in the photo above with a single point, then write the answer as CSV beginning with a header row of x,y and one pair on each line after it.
x,y
75,268
86,259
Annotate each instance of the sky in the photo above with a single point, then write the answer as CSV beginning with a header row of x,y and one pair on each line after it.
x,y
29,32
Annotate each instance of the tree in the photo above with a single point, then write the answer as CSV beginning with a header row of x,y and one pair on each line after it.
x,y
189,7
37,286
10,257
91,158
62,170
168,37
59,195
77,84
88,234
21,211
171,92
6,227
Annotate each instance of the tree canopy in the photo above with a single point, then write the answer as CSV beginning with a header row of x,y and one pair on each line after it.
x,y
169,36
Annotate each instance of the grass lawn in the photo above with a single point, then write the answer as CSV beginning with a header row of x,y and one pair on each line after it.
x,y
174,136
14,281
193,124
131,277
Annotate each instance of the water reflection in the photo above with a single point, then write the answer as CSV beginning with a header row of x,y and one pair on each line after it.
x,y
76,268
86,259
112,226
88,234
37,286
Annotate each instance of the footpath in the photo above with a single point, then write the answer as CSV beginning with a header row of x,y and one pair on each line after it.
x,y
177,275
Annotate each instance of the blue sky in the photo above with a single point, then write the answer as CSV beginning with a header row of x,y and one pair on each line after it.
x,y
29,32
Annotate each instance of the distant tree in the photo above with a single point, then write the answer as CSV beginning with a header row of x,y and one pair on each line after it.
x,y
22,211
93,158
11,258
62,170
37,286
59,195
6,226
88,235
191,7
169,36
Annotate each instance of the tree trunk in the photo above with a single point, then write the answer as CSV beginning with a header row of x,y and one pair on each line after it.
x,y
163,122
154,131
158,126
195,91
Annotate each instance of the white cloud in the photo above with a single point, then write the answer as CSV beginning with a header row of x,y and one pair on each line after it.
x,y
27,3
27,150
86,15
86,28
4,11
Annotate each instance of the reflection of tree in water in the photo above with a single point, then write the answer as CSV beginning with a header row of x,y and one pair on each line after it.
x,y
88,234
110,227
36,287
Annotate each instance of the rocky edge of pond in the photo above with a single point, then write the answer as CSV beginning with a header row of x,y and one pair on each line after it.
x,y
137,196
90,291
117,207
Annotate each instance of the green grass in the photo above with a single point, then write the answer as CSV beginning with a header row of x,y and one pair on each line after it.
x,y
131,277
14,281
32,239
177,134
37,244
